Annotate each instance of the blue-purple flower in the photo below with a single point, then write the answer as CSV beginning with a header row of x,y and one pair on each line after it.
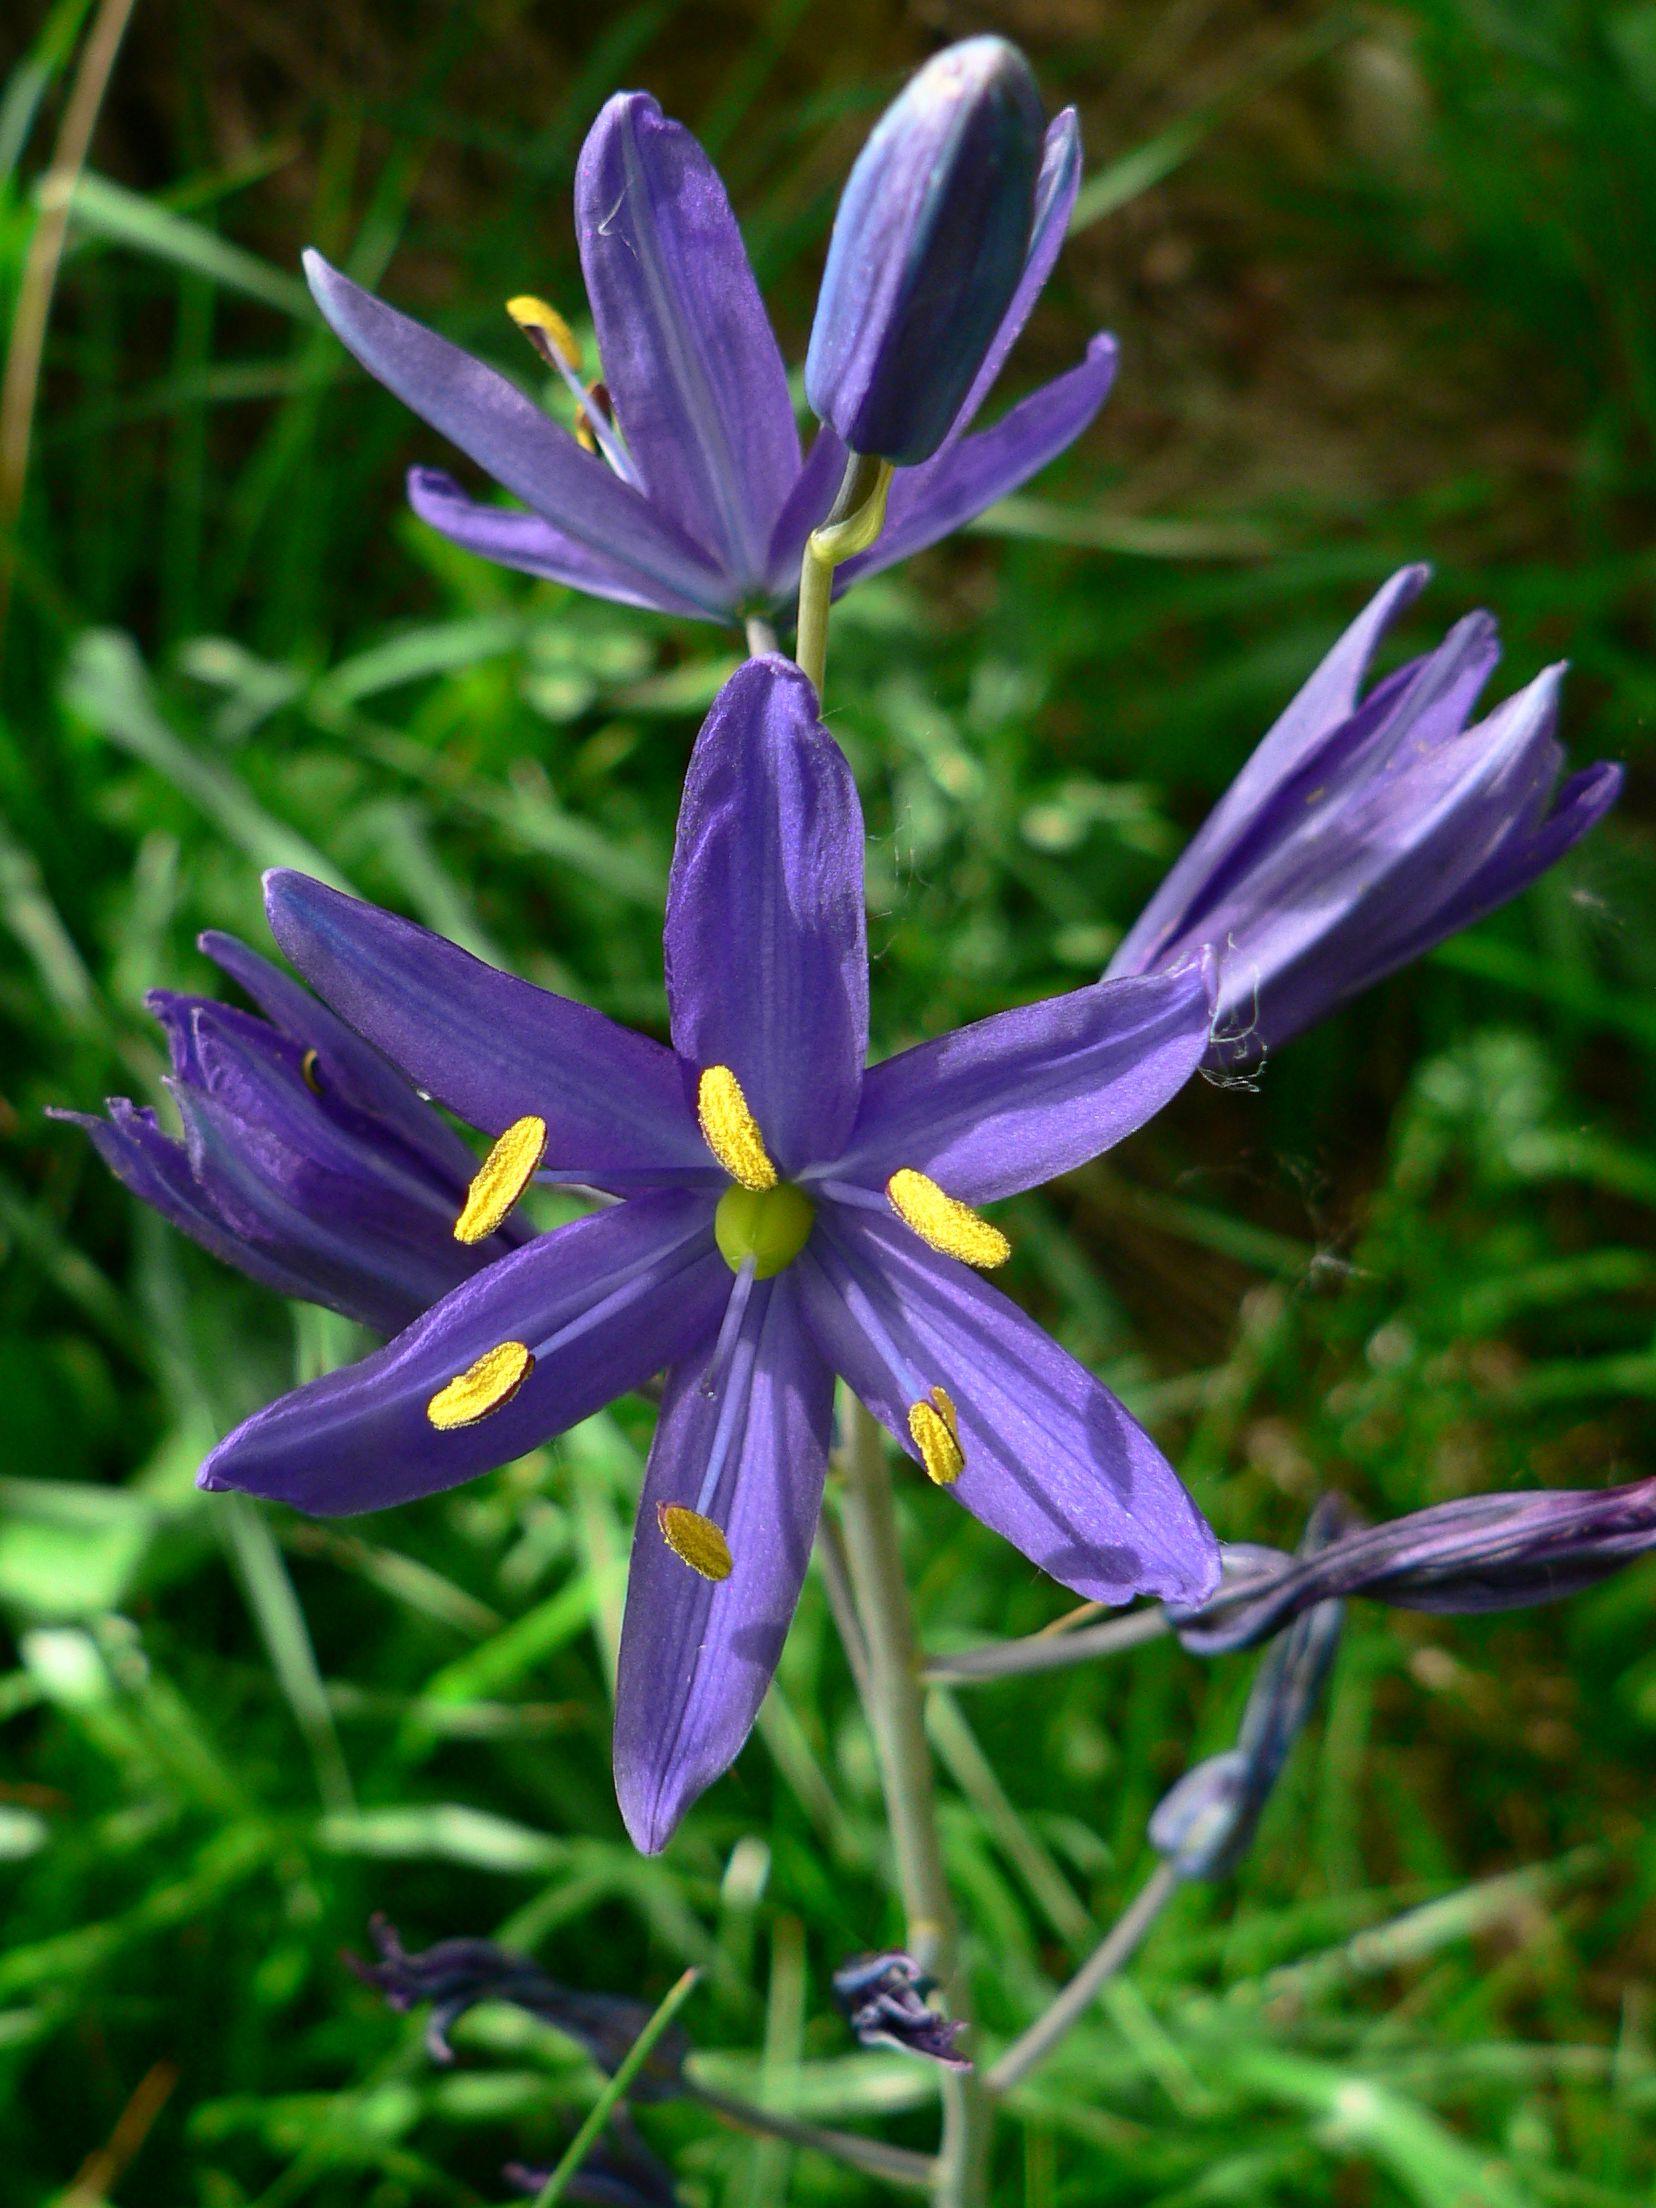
x,y
929,245
783,1216
1205,1825
883,1997
693,497
1480,1552
308,1162
1366,828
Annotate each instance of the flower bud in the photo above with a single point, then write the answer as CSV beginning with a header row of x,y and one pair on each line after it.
x,y
929,242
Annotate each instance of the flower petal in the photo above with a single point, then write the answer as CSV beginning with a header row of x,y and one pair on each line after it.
x,y
346,1066
767,954
701,395
964,479
636,1286
1052,1461
512,538
508,436
697,1655
1055,188
1013,1100
491,1047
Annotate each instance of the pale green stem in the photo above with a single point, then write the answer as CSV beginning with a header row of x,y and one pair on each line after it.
x,y
761,635
897,2165
1113,1953
854,521
1048,1651
896,1715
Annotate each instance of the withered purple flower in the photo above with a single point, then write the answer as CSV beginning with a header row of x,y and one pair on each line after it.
x,y
784,1216
929,245
691,495
308,1162
1205,1825
883,1999
1482,1552
1366,828
456,1975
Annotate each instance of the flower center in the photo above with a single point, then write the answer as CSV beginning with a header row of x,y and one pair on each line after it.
x,y
765,1226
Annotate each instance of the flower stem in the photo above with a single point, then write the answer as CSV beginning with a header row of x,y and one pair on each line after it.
x,y
896,1715
897,2165
854,520
761,635
1113,1953
1048,1651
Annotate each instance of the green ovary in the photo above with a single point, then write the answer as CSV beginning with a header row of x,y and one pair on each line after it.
x,y
770,1226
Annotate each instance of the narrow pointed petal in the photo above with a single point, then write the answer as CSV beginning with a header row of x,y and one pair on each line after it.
x,y
1055,188
1011,1101
346,1066
490,1047
701,395
767,953
636,1287
1581,804
1052,1461
965,479
509,437
697,1655
533,544
156,1169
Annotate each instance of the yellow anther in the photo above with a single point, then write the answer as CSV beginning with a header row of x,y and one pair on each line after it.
x,y
935,1431
501,1179
546,330
310,1073
730,1130
485,1385
695,1540
943,1221
598,404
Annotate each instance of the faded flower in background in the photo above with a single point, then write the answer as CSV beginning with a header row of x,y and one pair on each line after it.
x,y
883,1998
685,489
1367,828
308,1161
785,1215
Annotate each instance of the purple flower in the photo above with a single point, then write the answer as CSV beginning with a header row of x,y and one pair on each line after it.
x,y
784,1216
695,499
1206,1824
883,1999
929,244
456,1975
1366,828
1484,1552
308,1162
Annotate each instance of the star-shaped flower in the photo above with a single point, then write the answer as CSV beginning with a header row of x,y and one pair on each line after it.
x,y
686,491
784,1216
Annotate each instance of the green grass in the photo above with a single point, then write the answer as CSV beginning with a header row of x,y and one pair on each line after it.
x,y
1384,285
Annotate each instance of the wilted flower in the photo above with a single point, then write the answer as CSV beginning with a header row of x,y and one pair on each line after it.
x,y
691,495
457,1975
929,245
785,1216
883,1999
1483,1552
1365,829
308,1162
1206,1824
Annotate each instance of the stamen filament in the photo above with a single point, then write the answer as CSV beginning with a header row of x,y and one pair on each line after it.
x,y
554,341
933,1425
741,1289
621,1290
737,1386
512,1163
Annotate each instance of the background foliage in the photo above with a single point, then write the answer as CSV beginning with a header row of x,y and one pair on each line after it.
x,y
1385,280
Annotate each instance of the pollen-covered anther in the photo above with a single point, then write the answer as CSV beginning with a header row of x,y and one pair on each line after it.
x,y
546,330
486,1385
943,1221
935,1431
598,404
501,1179
730,1130
695,1540
310,1072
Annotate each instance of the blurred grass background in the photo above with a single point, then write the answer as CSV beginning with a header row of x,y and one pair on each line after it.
x,y
1385,282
